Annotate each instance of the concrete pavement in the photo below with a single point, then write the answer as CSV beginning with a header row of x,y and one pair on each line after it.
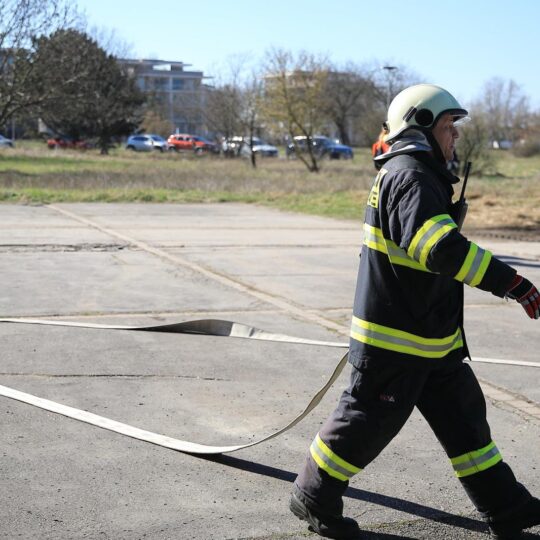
x,y
137,264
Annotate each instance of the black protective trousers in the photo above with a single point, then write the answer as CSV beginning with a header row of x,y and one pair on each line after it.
x,y
380,398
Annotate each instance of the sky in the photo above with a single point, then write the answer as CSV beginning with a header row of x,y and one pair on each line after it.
x,y
459,45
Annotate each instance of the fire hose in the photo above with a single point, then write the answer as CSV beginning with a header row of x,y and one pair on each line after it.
x,y
207,327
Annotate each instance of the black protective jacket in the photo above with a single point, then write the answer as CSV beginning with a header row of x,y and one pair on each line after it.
x,y
409,296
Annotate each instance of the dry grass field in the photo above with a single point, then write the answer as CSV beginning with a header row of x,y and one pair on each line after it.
x,y
508,199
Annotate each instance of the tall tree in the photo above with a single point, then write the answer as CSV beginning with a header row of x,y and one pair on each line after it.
x,y
295,98
20,22
95,98
252,96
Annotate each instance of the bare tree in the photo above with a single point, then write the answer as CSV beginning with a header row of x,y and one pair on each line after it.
x,y
109,40
223,109
21,21
153,122
225,106
251,110
350,95
188,106
388,79
473,143
505,108
295,98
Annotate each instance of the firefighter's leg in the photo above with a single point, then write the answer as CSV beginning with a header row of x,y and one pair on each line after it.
x,y
370,413
454,406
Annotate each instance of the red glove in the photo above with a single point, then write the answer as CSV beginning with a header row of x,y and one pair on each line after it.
x,y
524,292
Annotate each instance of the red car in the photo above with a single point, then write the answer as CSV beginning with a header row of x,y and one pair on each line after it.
x,y
193,143
65,142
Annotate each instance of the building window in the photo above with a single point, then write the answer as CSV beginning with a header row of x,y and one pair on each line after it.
x,y
178,84
161,84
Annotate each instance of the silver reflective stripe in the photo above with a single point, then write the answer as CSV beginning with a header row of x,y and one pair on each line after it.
x,y
399,341
475,265
372,238
328,462
399,256
429,233
476,461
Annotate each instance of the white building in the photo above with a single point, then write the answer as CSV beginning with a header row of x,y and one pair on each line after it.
x,y
179,94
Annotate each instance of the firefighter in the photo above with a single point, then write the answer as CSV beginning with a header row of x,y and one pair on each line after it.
x,y
379,147
407,343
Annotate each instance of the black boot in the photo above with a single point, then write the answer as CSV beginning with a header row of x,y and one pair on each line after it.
x,y
510,527
329,526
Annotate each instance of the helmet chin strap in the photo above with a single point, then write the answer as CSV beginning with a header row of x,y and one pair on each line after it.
x,y
437,152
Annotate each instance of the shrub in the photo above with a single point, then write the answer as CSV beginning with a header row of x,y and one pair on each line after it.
x,y
527,148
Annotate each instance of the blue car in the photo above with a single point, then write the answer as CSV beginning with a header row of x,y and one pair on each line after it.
x,y
323,147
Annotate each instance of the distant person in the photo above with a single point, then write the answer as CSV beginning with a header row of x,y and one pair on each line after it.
x,y
407,345
379,147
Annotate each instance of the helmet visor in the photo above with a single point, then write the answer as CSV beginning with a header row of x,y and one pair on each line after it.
x,y
461,120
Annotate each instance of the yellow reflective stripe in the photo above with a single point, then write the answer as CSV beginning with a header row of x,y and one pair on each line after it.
x,y
476,461
374,239
467,263
335,458
480,467
392,339
399,256
406,335
375,231
422,231
428,235
435,237
474,266
330,462
322,465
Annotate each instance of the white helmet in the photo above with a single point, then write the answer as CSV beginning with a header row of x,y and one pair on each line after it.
x,y
419,107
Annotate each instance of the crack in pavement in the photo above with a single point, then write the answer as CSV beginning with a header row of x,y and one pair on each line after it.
x,y
112,375
53,248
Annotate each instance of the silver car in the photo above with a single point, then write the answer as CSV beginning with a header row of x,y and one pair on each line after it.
x,y
240,146
146,143
6,143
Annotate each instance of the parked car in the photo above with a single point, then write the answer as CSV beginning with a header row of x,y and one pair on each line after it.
x,y
193,143
181,142
240,146
205,145
146,143
5,142
66,142
323,147
231,147
502,145
261,148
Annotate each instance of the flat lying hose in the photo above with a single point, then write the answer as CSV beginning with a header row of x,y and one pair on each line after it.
x,y
208,327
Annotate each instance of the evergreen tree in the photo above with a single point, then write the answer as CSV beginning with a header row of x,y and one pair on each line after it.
x,y
95,97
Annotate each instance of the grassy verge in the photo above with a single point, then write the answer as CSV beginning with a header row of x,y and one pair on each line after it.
x,y
33,174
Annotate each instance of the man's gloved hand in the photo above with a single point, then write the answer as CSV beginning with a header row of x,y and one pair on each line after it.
x,y
524,292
